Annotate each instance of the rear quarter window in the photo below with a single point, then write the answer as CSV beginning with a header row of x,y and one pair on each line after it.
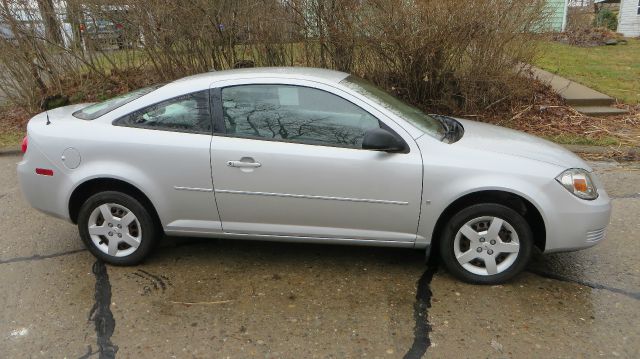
x,y
96,110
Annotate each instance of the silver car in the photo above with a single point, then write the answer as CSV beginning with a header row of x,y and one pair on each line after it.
x,y
306,155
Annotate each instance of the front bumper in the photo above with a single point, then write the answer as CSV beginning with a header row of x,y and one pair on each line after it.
x,y
575,224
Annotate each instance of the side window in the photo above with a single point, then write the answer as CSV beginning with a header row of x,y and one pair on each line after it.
x,y
294,113
187,113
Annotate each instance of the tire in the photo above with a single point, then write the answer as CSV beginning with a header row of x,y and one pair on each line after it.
x,y
130,225
469,256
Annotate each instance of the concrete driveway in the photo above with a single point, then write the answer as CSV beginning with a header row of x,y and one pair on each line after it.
x,y
233,299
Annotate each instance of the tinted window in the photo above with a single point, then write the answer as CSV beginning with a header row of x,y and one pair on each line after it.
x,y
294,113
96,110
188,113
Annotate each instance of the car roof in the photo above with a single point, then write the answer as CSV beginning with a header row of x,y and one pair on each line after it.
x,y
308,73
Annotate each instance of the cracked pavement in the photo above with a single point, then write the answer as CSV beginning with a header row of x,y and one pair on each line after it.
x,y
209,298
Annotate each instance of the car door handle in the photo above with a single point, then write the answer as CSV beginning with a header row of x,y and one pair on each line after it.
x,y
240,164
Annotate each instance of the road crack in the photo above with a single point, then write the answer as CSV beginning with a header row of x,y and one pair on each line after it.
x,y
37,257
593,285
421,341
101,313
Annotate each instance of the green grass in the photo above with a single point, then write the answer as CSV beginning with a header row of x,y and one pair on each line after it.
x,y
570,139
613,70
115,59
11,137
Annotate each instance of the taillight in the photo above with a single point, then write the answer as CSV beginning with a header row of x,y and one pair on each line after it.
x,y
44,171
25,144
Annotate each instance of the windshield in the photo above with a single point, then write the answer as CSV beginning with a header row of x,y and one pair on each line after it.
x,y
96,110
419,119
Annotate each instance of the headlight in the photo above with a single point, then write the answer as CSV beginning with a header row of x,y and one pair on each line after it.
x,y
578,182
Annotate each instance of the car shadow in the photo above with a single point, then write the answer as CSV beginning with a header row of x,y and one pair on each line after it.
x,y
179,248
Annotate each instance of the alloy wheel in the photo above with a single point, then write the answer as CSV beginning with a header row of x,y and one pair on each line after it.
x,y
486,245
115,230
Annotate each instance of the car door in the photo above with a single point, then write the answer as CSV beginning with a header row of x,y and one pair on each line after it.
x,y
169,142
289,162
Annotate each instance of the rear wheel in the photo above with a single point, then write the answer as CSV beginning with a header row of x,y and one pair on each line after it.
x,y
486,244
116,228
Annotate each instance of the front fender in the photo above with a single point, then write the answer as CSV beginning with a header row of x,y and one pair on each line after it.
x,y
451,172
437,202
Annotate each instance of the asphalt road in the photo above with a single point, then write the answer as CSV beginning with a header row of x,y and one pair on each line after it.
x,y
233,299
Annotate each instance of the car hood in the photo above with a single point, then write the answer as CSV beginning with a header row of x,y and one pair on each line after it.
x,y
483,136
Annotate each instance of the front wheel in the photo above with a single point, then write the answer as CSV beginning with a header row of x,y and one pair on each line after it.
x,y
486,244
116,228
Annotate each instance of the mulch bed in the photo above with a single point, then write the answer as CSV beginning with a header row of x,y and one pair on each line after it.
x,y
588,37
546,115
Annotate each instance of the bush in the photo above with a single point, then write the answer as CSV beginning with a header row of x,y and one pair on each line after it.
x,y
606,18
439,54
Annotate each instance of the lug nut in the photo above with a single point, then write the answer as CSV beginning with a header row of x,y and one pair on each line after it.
x,y
110,224
110,233
120,226
479,249
119,235
493,241
490,251
482,239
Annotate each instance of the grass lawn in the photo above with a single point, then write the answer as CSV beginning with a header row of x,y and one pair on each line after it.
x,y
613,70
570,139
11,137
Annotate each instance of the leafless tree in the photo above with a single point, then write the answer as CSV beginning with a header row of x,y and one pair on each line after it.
x,y
448,54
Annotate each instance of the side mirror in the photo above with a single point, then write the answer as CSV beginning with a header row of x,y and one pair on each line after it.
x,y
379,139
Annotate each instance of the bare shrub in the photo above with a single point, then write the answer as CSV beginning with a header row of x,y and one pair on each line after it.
x,y
450,54
446,54
580,18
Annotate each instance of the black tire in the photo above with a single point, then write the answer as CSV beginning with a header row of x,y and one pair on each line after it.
x,y
514,219
150,229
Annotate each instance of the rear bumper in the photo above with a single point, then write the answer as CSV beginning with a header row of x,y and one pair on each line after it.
x,y
47,194
578,224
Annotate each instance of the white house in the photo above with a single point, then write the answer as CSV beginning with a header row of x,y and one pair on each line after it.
x,y
629,18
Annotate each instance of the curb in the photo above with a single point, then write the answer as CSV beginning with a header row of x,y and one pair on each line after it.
x,y
10,151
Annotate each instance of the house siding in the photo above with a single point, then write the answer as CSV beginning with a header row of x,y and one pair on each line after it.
x,y
629,19
557,15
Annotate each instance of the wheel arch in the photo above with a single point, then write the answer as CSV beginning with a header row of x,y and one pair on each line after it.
x,y
512,200
95,185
